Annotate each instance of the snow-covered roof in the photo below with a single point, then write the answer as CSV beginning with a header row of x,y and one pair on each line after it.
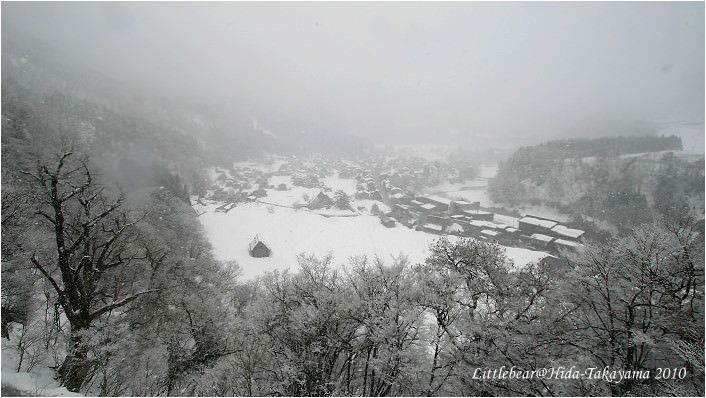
x,y
455,228
482,224
566,231
565,242
542,237
256,240
537,222
434,227
440,199
428,206
489,232
477,212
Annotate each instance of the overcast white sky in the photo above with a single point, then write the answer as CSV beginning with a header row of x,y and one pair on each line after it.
x,y
485,72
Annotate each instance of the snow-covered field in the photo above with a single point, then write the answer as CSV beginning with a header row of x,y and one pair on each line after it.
x,y
296,194
488,171
289,232
345,185
474,190
289,197
458,186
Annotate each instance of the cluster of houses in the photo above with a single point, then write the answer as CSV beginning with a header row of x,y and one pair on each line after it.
x,y
382,181
549,234
246,184
455,217
240,184
367,187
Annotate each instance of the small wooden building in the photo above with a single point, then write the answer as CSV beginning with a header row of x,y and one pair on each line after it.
x,y
387,221
258,248
321,200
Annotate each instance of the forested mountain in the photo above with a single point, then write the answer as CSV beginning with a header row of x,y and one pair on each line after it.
x,y
625,181
131,128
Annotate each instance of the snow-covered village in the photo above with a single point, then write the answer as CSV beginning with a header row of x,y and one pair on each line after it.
x,y
352,199
344,208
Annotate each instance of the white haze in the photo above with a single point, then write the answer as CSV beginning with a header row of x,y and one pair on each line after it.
x,y
471,73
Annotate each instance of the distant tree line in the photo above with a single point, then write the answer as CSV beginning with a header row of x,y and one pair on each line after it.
x,y
600,147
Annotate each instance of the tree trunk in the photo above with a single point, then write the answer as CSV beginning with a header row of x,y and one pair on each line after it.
x,y
5,328
76,367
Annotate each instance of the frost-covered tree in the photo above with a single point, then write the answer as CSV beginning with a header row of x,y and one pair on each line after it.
x,y
486,314
93,254
17,279
341,200
386,354
639,305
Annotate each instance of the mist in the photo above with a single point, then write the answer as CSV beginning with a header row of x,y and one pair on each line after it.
x,y
478,74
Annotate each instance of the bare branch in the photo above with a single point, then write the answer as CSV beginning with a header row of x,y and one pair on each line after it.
x,y
61,162
47,275
120,303
45,215
108,245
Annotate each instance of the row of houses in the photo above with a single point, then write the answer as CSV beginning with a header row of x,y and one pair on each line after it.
x,y
550,234
455,217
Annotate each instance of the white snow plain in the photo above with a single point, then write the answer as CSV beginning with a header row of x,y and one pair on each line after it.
x,y
290,232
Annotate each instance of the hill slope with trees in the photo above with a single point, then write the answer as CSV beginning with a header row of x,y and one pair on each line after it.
x,y
131,128
625,181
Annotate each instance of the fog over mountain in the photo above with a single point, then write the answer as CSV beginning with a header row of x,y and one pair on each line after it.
x,y
231,199
476,73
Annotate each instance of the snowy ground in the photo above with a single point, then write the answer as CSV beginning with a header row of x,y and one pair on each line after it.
x,y
345,185
37,383
474,190
290,232
289,197
458,186
488,171
296,194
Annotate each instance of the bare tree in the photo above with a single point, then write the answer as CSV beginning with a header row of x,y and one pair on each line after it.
x,y
94,248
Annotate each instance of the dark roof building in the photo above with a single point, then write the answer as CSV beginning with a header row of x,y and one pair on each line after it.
x,y
258,248
532,225
321,200
387,221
